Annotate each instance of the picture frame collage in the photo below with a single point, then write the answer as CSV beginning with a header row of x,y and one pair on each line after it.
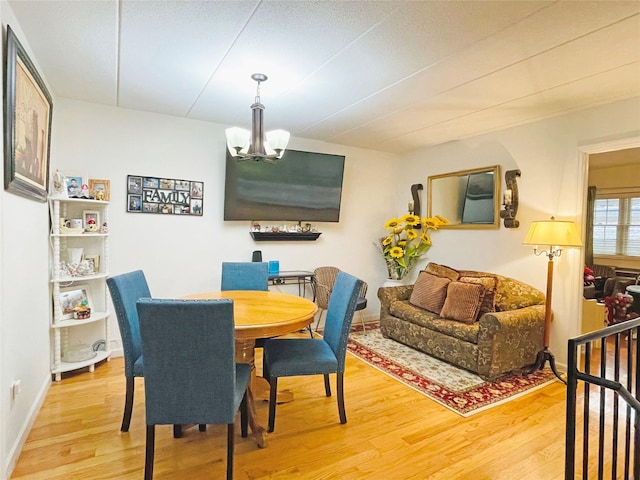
x,y
169,196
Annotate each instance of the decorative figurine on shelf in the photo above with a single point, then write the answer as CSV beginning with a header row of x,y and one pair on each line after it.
x,y
91,225
99,195
82,311
59,190
104,228
84,268
84,191
256,227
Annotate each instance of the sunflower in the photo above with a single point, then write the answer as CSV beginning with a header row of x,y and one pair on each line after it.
x,y
411,234
392,224
411,219
396,252
387,241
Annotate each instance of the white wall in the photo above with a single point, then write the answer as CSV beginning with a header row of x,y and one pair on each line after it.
x,y
553,181
181,254
24,304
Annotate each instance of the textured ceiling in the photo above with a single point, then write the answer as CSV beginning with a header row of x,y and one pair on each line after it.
x,y
387,75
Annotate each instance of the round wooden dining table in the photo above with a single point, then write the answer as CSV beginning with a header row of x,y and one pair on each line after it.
x,y
262,314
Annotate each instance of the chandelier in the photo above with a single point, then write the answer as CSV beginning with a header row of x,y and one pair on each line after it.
x,y
251,145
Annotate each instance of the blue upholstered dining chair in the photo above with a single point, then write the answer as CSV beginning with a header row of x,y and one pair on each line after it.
x,y
286,357
125,291
191,375
245,276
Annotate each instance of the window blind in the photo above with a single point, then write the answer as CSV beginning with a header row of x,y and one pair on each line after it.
x,y
616,226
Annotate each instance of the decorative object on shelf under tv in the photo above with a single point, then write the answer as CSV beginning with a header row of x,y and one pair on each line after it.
x,y
406,241
72,298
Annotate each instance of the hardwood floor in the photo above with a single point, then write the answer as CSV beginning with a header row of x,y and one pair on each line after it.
x,y
393,433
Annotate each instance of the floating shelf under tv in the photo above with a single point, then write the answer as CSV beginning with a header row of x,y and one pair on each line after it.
x,y
284,236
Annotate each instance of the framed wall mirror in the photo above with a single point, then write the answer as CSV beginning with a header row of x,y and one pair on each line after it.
x,y
468,198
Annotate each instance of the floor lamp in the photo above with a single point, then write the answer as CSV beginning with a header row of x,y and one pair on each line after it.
x,y
556,234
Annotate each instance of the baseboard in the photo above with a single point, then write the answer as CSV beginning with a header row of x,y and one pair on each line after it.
x,y
16,448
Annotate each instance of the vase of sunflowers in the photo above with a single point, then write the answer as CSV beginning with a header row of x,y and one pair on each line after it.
x,y
407,240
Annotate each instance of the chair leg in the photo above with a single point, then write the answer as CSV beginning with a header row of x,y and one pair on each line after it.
x,y
128,404
148,463
230,451
177,431
361,315
272,403
202,427
244,416
340,387
327,385
319,319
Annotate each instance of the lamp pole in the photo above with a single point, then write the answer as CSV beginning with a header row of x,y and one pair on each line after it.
x,y
545,354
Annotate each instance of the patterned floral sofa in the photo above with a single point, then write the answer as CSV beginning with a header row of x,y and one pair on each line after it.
x,y
504,333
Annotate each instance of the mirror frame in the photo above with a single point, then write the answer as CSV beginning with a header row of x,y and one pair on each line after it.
x,y
495,169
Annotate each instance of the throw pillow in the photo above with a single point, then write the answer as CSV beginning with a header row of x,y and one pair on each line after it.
x,y
489,284
442,271
429,292
463,301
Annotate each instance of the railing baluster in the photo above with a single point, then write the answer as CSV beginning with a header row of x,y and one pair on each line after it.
x,y
618,381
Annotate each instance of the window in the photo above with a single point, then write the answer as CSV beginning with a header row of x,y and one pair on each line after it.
x,y
616,226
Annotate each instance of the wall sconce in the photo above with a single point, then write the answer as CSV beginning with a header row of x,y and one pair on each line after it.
x,y
510,199
414,203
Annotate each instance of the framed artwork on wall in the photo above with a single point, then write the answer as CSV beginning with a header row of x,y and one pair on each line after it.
x,y
27,125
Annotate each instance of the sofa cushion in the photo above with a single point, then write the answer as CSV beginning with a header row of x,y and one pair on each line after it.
x,y
511,294
463,301
489,284
429,292
442,271
466,332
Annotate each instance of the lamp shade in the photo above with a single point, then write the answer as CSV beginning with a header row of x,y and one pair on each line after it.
x,y
553,232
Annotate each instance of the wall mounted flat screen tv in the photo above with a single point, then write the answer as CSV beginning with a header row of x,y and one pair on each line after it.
x,y
301,186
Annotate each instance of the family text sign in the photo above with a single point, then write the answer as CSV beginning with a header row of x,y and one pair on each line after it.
x,y
164,195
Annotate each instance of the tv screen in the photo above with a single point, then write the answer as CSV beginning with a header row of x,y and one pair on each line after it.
x,y
301,186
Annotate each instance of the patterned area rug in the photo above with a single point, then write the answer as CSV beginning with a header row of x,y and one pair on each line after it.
x,y
455,388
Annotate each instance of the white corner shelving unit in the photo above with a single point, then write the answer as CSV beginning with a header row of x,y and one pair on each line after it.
x,y
69,333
